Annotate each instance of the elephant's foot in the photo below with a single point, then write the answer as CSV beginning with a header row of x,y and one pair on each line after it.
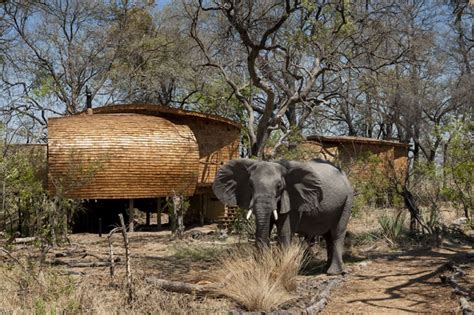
x,y
334,269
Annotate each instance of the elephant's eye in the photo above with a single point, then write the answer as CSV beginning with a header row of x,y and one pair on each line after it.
x,y
279,186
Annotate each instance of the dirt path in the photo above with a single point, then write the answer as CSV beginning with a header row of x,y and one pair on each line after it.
x,y
400,283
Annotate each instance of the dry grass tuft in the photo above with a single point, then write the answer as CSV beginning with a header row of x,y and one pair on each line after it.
x,y
260,279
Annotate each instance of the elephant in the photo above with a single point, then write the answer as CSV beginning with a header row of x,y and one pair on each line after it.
x,y
308,198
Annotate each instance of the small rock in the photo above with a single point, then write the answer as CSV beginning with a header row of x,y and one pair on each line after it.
x,y
460,221
222,234
364,263
196,235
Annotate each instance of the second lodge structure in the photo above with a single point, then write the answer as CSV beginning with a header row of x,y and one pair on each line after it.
x,y
391,156
139,151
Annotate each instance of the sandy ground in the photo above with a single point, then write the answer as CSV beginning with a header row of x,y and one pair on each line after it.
x,y
406,282
380,280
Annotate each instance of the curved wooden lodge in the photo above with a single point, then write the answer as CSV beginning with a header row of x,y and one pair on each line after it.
x,y
137,151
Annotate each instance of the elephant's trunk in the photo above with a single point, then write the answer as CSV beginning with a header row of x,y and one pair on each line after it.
x,y
263,209
262,235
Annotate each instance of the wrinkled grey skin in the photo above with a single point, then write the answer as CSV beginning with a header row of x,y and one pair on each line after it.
x,y
312,198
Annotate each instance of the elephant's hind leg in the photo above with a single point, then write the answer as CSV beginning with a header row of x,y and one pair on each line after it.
x,y
329,248
337,247
337,235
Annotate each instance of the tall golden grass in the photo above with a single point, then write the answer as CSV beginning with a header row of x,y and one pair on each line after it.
x,y
260,279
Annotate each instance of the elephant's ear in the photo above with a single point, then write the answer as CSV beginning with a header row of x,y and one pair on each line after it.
x,y
231,185
303,186
285,205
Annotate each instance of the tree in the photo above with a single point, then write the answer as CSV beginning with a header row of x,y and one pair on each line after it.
x,y
59,48
153,64
284,59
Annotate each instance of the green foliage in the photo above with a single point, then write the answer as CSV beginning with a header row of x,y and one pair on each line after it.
x,y
214,99
242,227
197,252
451,181
459,167
44,86
392,227
292,150
373,184
26,206
364,238
22,186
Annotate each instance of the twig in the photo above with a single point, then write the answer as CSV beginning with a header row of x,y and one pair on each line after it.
x,y
26,270
111,251
12,238
128,267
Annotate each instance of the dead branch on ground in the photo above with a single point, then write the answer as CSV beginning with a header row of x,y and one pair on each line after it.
x,y
83,264
24,240
450,279
319,302
182,287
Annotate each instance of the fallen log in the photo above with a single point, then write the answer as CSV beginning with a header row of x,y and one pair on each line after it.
x,y
319,303
24,240
82,264
455,268
181,287
465,306
70,253
73,273
457,289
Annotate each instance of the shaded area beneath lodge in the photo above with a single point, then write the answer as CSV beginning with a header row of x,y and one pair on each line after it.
x,y
102,215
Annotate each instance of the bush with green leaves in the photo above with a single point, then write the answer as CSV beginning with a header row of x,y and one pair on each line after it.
x,y
446,181
26,206
392,227
23,193
458,168
373,183
241,226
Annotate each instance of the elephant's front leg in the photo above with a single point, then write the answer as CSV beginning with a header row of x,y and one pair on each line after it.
x,y
284,229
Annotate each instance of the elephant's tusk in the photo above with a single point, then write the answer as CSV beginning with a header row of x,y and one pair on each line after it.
x,y
275,214
249,214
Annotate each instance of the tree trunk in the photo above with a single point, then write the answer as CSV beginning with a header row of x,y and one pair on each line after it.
x,y
178,214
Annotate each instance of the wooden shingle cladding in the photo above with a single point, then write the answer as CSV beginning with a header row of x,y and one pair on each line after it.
x,y
218,143
218,138
115,156
393,155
